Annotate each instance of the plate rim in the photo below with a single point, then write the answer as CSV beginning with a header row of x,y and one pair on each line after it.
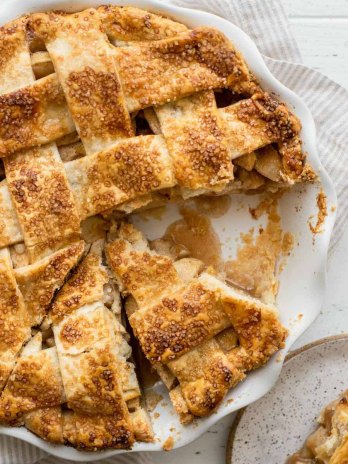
x,y
289,357
255,60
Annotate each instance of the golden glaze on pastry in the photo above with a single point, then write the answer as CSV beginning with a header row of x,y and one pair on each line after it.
x,y
103,112
176,321
109,63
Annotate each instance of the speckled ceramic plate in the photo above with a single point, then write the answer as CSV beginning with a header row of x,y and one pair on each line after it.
x,y
271,429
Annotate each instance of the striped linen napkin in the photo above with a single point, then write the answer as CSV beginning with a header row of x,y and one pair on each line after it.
x,y
266,23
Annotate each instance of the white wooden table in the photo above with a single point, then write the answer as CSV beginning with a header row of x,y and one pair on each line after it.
x,y
321,30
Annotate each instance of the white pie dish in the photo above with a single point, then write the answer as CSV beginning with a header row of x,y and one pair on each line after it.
x,y
302,282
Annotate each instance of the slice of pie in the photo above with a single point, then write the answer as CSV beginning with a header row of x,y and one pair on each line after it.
x,y
329,443
201,335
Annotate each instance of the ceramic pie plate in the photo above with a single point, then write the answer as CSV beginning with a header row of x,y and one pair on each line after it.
x,y
277,425
302,283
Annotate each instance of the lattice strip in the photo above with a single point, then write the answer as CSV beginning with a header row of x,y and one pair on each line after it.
x,y
43,387
128,24
196,141
125,171
14,321
43,200
205,375
10,230
39,281
33,115
15,65
83,60
93,354
45,422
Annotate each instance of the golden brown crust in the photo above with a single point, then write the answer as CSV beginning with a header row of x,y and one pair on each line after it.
x,y
91,382
93,359
80,331
33,115
43,200
34,383
257,326
196,141
133,24
86,70
180,405
35,179
142,426
157,72
84,287
176,320
14,55
99,182
205,376
47,423
94,92
10,231
259,332
14,320
130,168
86,88
262,120
97,432
5,370
38,282
141,274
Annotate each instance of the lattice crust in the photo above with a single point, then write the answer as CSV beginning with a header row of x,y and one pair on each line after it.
x,y
180,315
87,369
92,70
26,294
111,110
43,386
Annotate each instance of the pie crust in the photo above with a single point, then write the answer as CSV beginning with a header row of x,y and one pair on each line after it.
x,y
104,112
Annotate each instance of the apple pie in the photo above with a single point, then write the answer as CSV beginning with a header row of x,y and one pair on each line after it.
x,y
104,112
